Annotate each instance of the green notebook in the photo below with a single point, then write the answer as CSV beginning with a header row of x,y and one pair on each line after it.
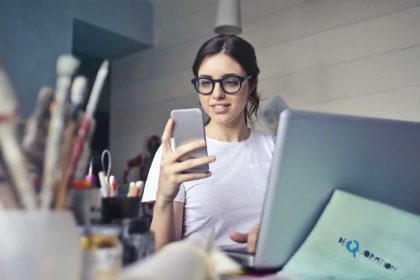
x,y
357,238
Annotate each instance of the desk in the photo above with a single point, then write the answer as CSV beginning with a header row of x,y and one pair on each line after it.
x,y
252,277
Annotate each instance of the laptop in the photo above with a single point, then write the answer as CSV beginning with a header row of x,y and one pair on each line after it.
x,y
317,153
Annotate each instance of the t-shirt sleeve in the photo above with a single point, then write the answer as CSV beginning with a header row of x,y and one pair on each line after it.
x,y
151,185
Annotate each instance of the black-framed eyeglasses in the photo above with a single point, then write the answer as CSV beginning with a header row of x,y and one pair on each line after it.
x,y
229,84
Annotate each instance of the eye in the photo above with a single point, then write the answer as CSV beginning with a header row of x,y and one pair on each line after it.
x,y
205,83
231,82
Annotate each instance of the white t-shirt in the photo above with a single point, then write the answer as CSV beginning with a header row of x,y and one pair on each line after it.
x,y
231,198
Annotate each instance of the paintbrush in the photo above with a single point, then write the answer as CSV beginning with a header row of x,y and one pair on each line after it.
x,y
7,195
66,67
36,130
40,115
77,97
12,155
83,134
87,128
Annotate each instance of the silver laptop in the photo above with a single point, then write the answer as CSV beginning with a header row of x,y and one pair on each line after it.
x,y
316,153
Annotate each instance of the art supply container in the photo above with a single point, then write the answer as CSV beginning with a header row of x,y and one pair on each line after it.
x,y
102,253
86,205
39,245
115,209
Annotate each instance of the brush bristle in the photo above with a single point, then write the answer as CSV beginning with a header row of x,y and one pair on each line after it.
x,y
45,97
78,90
45,93
67,65
104,67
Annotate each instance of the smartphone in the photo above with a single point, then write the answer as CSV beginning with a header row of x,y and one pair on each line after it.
x,y
189,127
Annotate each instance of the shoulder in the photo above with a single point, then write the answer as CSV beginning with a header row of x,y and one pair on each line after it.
x,y
262,141
262,137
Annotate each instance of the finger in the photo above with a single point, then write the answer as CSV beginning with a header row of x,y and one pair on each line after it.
x,y
252,238
166,137
192,163
252,241
192,176
182,150
239,237
187,148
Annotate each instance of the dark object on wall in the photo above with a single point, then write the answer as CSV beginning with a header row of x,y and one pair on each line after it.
x,y
143,161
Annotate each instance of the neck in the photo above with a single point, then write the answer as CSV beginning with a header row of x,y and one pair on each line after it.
x,y
228,133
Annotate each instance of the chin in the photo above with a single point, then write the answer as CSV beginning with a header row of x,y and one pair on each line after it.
x,y
223,119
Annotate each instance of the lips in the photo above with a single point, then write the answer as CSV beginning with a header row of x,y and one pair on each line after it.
x,y
220,108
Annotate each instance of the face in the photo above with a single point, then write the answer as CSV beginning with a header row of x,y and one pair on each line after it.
x,y
223,108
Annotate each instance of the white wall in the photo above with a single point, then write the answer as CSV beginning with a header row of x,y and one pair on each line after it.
x,y
357,57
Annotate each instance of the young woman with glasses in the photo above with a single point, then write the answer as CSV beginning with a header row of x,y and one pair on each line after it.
x,y
229,198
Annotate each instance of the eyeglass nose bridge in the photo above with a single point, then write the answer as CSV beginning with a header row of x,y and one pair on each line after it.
x,y
220,81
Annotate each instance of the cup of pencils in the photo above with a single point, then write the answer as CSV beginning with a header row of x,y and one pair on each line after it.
x,y
86,205
116,209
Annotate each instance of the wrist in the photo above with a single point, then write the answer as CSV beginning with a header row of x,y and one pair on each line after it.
x,y
163,201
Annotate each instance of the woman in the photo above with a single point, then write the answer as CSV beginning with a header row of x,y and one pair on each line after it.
x,y
229,198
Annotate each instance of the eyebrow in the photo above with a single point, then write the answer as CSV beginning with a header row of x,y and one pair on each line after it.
x,y
205,76
224,75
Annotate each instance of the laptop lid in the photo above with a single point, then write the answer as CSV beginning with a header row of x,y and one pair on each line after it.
x,y
316,153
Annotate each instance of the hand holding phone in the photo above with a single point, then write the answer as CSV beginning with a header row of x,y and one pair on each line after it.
x,y
189,127
173,171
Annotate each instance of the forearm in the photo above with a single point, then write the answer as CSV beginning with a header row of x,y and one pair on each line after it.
x,y
163,223
167,214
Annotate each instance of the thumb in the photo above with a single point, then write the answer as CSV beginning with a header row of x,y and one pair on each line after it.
x,y
239,237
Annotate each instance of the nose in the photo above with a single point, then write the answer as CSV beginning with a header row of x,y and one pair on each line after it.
x,y
218,92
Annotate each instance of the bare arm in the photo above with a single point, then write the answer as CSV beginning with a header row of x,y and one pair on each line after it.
x,y
167,222
168,214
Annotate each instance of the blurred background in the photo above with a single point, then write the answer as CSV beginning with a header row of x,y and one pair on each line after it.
x,y
358,57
